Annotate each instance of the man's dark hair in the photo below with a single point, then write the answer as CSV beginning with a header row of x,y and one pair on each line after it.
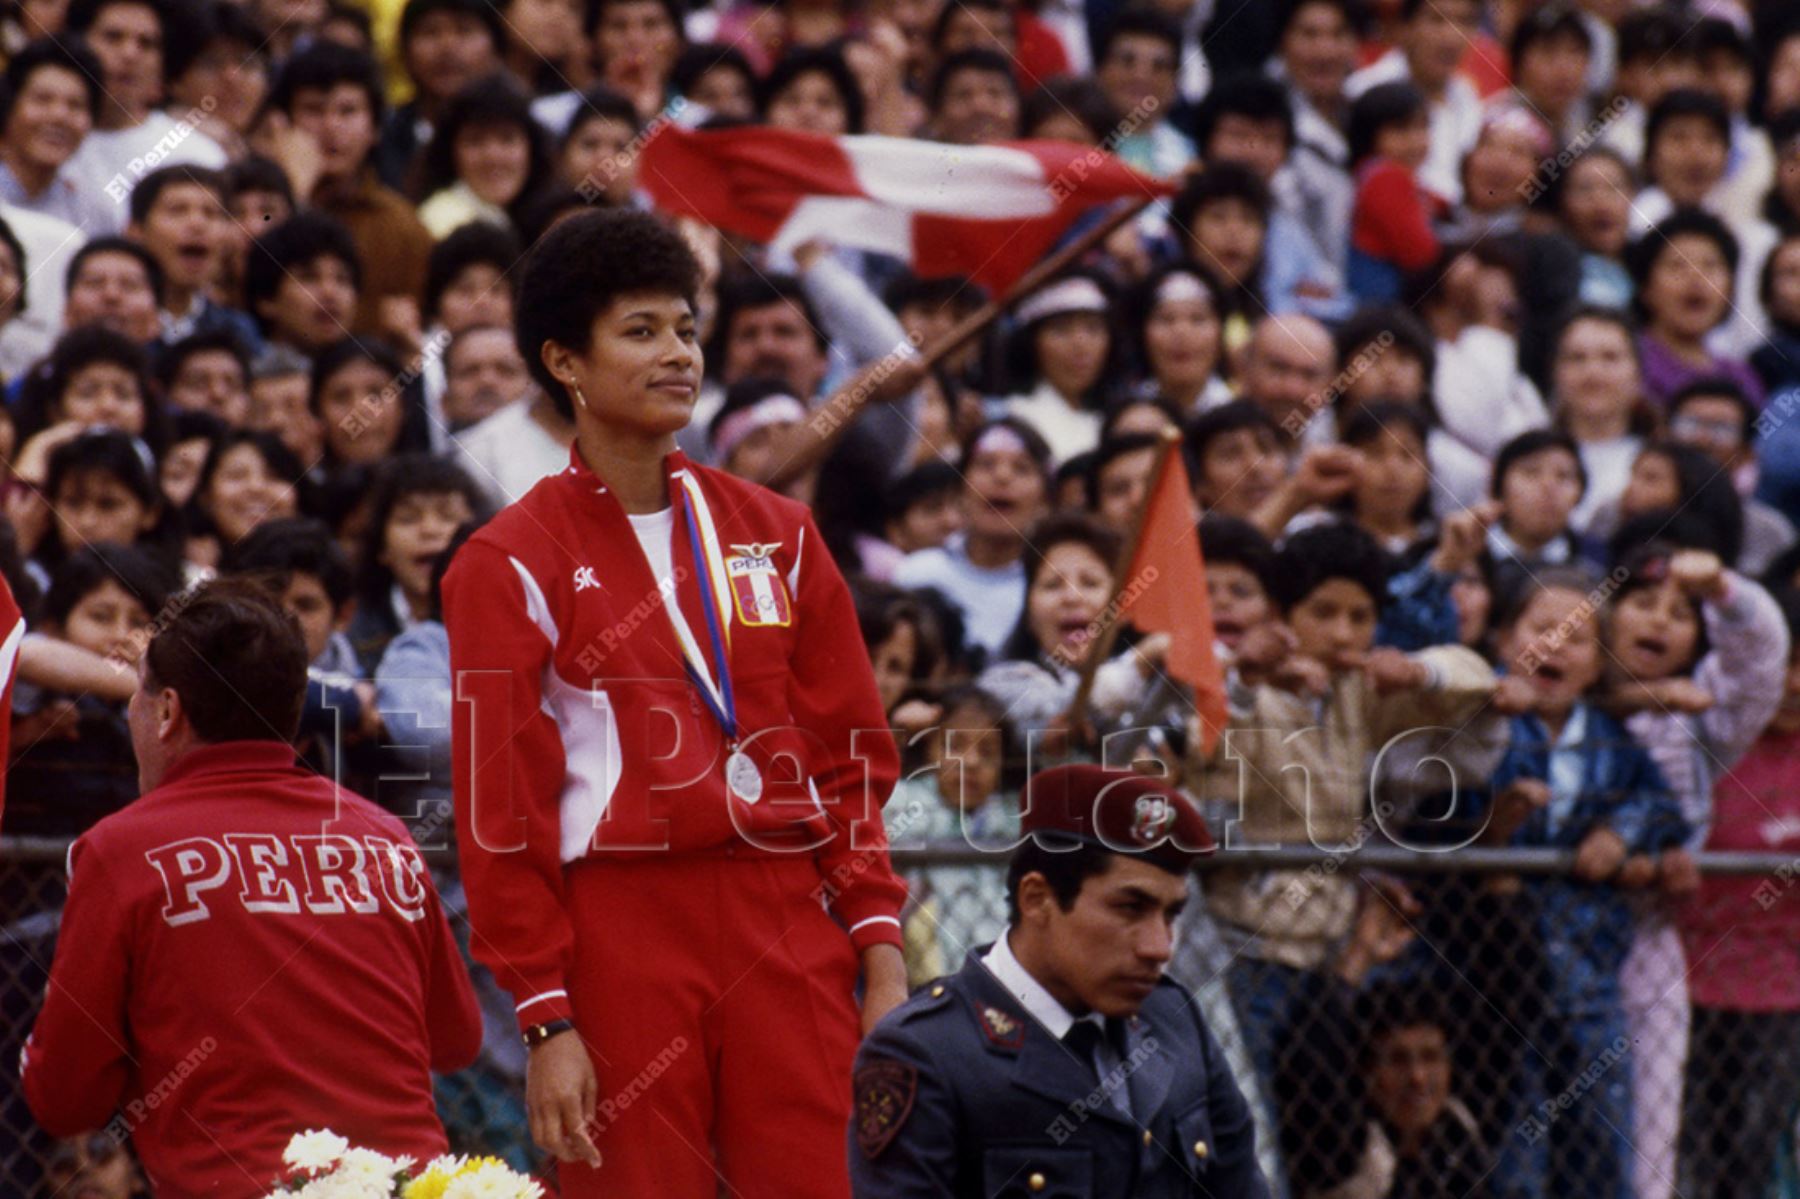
x,y
602,103
933,477
1226,418
907,289
1139,22
148,577
1228,539
299,241
254,173
212,22
744,291
1316,556
1654,33
975,58
822,60
1405,332
1065,868
70,54
87,345
171,360
1717,387
1535,441
118,245
236,659
1393,1005
478,243
417,10
1552,21
341,353
323,65
150,188
578,268
940,28
295,545
1355,14
1249,94
1220,181
1685,102
593,10
1108,452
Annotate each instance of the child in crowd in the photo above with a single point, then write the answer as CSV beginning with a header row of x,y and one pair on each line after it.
x,y
308,571
192,436
1699,654
923,507
954,800
1538,480
1715,417
72,758
1390,225
417,505
1069,560
1005,467
1240,578
1671,478
247,479
102,488
1330,584
1573,778
1391,499
1238,463
1684,270
1741,936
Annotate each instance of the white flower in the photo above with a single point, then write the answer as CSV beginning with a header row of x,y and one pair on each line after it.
x,y
314,1150
366,1163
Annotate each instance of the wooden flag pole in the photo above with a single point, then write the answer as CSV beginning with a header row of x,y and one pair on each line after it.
x,y
1109,628
976,322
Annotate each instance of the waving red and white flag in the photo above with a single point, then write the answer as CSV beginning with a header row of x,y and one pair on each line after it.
x,y
989,212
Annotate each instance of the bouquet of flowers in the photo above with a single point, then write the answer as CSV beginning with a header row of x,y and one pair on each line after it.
x,y
323,1165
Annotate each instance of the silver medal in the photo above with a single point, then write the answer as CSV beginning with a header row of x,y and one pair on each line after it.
x,y
742,776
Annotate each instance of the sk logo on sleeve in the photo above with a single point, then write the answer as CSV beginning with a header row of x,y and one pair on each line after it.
x,y
757,586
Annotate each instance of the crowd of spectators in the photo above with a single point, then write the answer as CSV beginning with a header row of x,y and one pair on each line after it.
x,y
1478,326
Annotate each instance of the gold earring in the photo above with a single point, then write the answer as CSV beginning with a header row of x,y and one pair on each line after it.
x,y
576,388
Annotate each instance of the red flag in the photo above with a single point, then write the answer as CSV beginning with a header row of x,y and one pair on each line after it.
x,y
1163,590
989,212
12,633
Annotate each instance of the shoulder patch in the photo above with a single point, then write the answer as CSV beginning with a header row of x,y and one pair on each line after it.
x,y
1002,1029
885,1090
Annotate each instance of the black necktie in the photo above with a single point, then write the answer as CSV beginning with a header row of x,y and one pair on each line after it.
x,y
1085,1040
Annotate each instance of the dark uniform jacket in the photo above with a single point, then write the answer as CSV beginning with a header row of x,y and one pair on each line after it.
x,y
960,1093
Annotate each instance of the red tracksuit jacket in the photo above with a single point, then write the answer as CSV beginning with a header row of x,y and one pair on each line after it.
x,y
247,953
577,732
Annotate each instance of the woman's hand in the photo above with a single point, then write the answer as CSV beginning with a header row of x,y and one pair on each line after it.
x,y
884,983
560,1093
1600,856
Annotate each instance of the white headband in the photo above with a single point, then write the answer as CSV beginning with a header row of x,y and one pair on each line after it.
x,y
1181,285
772,410
1076,294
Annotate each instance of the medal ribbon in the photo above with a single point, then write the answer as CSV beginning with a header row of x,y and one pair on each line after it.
x,y
720,700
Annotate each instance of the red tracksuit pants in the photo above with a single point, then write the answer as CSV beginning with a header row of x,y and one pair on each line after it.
x,y
716,998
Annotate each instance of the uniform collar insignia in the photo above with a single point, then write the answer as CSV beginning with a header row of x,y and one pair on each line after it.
x,y
1002,1029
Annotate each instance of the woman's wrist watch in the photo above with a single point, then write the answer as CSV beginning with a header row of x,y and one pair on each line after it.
x,y
537,1034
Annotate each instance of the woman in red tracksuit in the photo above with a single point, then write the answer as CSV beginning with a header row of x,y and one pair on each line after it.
x,y
671,762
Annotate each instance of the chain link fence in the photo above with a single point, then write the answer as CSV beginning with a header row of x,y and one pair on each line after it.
x,y
1480,1031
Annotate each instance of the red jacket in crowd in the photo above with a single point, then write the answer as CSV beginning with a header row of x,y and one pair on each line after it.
x,y
248,952
586,737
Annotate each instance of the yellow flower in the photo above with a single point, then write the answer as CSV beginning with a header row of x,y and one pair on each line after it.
x,y
429,1185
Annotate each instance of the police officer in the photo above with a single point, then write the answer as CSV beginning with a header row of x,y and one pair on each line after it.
x,y
1059,1062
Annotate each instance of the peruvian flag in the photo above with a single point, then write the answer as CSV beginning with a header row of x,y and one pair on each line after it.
x,y
989,212
1163,590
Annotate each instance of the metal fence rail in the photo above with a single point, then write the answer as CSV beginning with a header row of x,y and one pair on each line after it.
x,y
1532,1036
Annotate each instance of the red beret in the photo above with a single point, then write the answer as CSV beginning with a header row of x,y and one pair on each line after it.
x,y
1119,810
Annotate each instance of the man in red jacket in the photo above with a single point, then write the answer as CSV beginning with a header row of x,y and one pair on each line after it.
x,y
670,764
248,951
